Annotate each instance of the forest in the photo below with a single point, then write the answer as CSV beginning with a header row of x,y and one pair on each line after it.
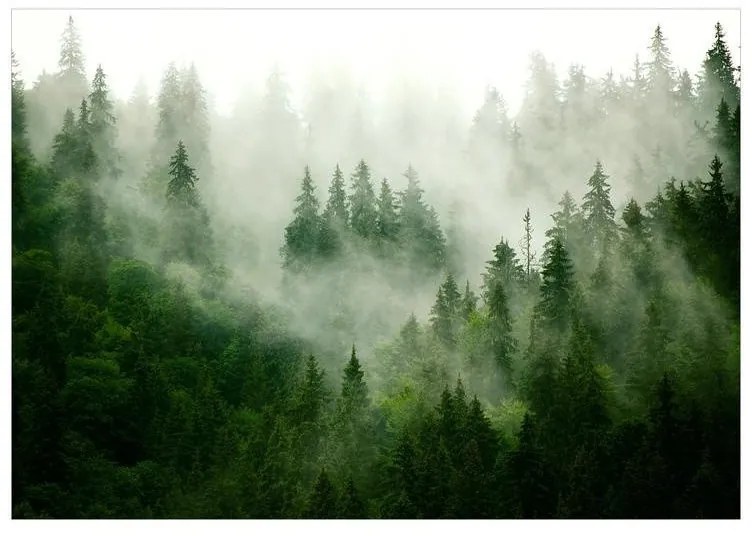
x,y
311,314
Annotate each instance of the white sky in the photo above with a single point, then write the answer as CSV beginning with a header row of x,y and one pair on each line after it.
x,y
461,49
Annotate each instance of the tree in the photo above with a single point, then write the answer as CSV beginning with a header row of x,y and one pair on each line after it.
x,y
446,311
598,210
302,235
351,505
182,185
336,206
420,234
194,117
634,219
312,394
322,503
386,218
553,307
18,105
102,122
168,105
504,268
503,343
660,71
363,214
64,147
71,60
354,396
719,74
528,255
469,302
565,221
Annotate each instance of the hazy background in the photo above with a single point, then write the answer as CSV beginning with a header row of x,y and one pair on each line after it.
x,y
234,50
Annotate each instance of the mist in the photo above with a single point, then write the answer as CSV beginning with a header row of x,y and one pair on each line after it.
x,y
472,119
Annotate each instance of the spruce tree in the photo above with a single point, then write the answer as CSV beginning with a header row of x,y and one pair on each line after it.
x,y
504,268
598,210
362,202
336,206
386,218
71,60
102,122
420,234
469,302
354,396
18,105
557,275
181,189
64,147
527,250
302,235
322,503
565,220
503,344
719,74
660,71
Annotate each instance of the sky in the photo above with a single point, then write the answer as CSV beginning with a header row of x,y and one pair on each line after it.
x,y
458,51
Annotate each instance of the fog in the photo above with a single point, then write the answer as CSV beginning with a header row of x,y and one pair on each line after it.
x,y
289,89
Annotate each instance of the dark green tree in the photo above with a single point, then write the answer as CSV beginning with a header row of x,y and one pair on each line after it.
x,y
598,211
302,235
363,215
336,206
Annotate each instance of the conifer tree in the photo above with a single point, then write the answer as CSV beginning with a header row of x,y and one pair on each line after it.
x,y
420,233
336,206
504,268
719,74
181,189
469,302
363,214
660,71
386,217
102,122
64,147
71,60
565,220
527,250
598,210
322,503
302,235
354,396
503,344
18,105
553,307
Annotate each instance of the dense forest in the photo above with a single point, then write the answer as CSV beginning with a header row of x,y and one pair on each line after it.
x,y
180,352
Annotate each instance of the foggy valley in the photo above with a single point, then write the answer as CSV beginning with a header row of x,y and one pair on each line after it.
x,y
344,302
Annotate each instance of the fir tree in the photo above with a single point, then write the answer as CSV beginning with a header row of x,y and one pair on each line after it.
x,y
504,268
363,214
660,70
102,122
181,189
598,210
354,397
302,235
322,503
556,288
503,344
469,302
64,147
71,60
386,217
719,74
336,206
527,251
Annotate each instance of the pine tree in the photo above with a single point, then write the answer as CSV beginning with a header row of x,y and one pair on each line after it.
x,y
194,117
660,71
446,311
336,206
312,394
529,256
719,74
503,343
553,307
598,210
86,158
386,217
504,268
420,234
103,122
565,220
352,506
18,105
634,219
64,147
71,60
302,235
181,189
469,302
354,397
363,214
168,104
322,503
